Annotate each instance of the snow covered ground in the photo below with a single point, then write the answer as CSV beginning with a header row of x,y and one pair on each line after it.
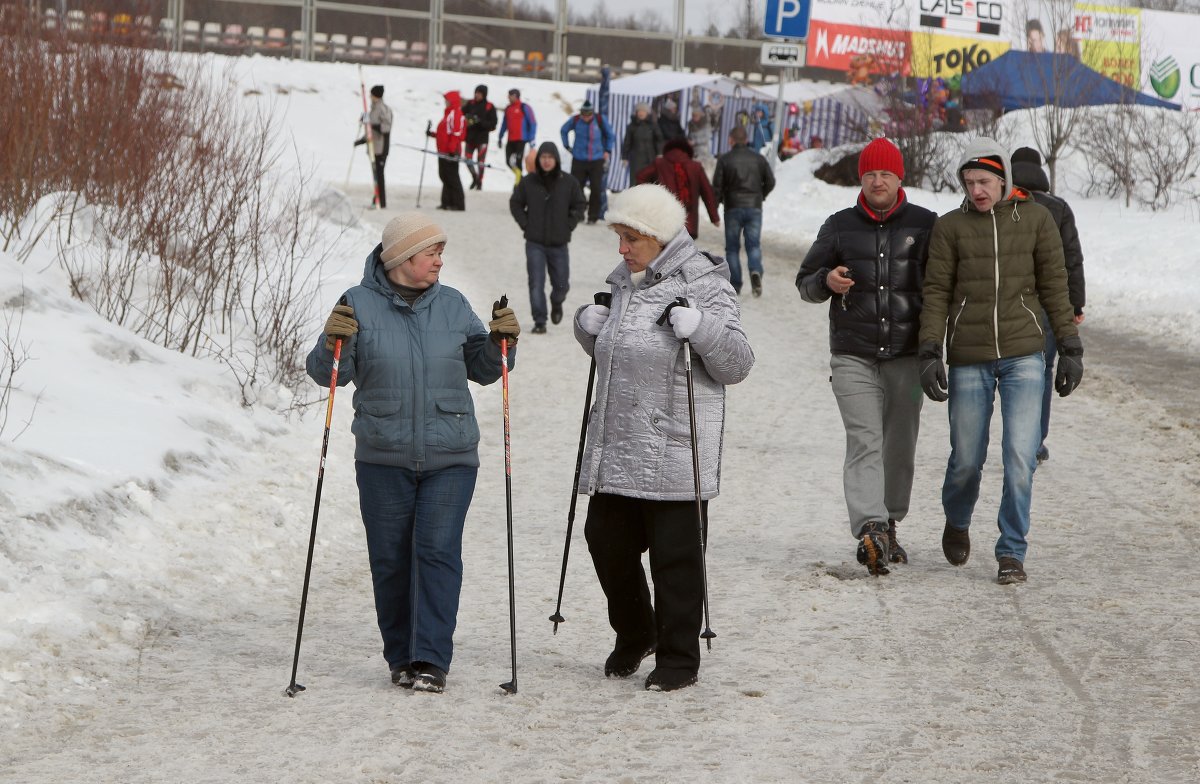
x,y
154,536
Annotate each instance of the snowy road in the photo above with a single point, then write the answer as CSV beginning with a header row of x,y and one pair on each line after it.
x,y
818,673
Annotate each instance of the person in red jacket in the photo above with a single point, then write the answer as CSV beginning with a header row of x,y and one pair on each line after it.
x,y
449,135
677,171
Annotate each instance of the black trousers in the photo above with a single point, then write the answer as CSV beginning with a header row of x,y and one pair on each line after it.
x,y
381,193
618,531
453,197
473,153
514,156
591,176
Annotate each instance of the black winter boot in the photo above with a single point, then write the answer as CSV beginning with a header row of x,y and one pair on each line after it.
x,y
626,659
897,552
956,544
873,549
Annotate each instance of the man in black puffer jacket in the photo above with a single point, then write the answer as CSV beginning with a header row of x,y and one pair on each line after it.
x,y
1028,175
547,206
870,258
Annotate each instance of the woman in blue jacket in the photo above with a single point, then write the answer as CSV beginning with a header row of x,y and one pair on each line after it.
x,y
409,346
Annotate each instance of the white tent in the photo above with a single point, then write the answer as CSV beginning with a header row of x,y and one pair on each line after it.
x,y
838,113
687,90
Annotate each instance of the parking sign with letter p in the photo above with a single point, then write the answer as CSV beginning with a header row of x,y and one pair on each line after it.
x,y
787,18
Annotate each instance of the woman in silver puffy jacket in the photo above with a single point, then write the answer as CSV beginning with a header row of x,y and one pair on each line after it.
x,y
637,463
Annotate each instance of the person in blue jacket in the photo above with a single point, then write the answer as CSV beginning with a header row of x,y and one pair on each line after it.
x,y
760,128
409,347
590,151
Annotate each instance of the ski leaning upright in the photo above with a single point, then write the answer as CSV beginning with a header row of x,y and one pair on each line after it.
x,y
366,121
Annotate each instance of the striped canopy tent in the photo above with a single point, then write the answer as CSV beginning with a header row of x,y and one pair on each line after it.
x,y
838,113
687,90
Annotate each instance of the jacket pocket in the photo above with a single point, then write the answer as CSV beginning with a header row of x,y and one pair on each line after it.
x,y
954,324
455,426
1037,322
381,424
673,429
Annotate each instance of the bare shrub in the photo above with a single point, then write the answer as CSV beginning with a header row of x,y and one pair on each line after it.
x,y
1143,155
14,353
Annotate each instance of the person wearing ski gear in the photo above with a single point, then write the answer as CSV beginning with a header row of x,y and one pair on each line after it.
x,y
676,171
520,125
449,134
590,149
547,206
642,143
480,116
668,121
637,461
995,264
410,345
742,181
379,119
868,261
761,129
1029,176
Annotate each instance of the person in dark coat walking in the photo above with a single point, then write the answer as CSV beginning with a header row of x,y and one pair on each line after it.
x,y
678,171
742,181
547,206
668,121
642,143
869,261
409,347
1029,176
480,115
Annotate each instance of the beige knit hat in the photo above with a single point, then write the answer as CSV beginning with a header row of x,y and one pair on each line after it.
x,y
407,235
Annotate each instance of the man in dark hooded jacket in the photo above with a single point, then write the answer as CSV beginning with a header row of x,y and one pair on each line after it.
x,y
642,142
547,206
1029,176
480,115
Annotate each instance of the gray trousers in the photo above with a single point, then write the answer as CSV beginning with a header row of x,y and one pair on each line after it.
x,y
880,401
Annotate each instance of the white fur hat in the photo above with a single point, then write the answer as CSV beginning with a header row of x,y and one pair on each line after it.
x,y
651,209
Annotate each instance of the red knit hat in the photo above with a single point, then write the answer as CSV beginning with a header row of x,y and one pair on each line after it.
x,y
881,155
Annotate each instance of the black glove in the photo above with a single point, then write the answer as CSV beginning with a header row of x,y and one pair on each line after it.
x,y
431,134
933,372
363,140
1070,365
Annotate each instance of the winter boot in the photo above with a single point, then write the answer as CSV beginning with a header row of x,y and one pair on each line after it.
x,y
1011,571
756,284
670,680
873,548
429,677
626,659
556,313
897,552
956,544
403,675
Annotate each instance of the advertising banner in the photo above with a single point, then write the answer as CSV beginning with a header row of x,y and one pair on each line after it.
x,y
862,52
948,56
1110,41
1171,57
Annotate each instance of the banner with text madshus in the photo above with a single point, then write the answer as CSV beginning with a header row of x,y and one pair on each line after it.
x,y
862,52
1110,39
948,56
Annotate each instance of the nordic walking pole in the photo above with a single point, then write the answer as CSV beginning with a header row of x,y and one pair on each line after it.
x,y
294,688
421,182
602,298
511,686
708,634
370,140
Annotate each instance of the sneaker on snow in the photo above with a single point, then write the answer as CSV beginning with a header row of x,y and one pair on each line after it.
x,y
897,552
1011,571
873,548
956,544
670,680
625,660
756,284
429,677
403,675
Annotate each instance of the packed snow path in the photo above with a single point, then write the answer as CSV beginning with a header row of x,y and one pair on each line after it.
x,y
819,672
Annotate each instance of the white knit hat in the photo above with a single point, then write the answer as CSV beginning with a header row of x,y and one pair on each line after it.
x,y
407,235
651,209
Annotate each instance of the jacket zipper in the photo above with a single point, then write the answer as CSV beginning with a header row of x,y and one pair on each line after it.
x,y
954,327
1036,321
996,298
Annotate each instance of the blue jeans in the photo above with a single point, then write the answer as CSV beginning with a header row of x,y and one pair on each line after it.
x,y
1051,353
539,258
972,400
414,522
737,221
